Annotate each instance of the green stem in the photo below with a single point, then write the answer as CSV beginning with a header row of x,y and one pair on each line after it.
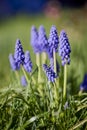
x,y
38,62
56,92
44,57
27,89
80,92
50,95
25,74
17,75
33,79
54,57
65,81
38,59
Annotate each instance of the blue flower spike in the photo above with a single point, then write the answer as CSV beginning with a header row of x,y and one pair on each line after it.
x,y
27,62
64,48
43,43
34,39
42,39
53,41
51,75
19,53
64,52
13,63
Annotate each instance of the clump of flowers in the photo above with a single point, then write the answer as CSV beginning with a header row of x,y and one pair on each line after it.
x,y
20,59
43,45
44,102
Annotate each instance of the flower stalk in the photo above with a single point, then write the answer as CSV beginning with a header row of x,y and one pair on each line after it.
x,y
54,57
65,81
44,57
38,63
25,74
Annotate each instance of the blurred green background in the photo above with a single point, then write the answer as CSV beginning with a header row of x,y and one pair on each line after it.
x,y
73,21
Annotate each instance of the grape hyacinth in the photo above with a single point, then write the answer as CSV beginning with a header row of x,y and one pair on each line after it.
x,y
64,48
83,86
23,81
34,40
13,63
19,53
27,62
53,41
42,39
51,75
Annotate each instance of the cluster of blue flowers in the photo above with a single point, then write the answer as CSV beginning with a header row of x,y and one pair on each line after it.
x,y
41,43
51,75
39,39
19,54
42,39
20,58
27,62
34,39
64,48
53,41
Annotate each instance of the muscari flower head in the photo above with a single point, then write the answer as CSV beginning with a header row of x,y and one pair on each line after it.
x,y
51,75
19,53
34,40
27,62
53,41
13,64
83,86
64,48
42,39
23,81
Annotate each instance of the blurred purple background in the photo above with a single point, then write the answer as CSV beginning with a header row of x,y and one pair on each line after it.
x,y
11,7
